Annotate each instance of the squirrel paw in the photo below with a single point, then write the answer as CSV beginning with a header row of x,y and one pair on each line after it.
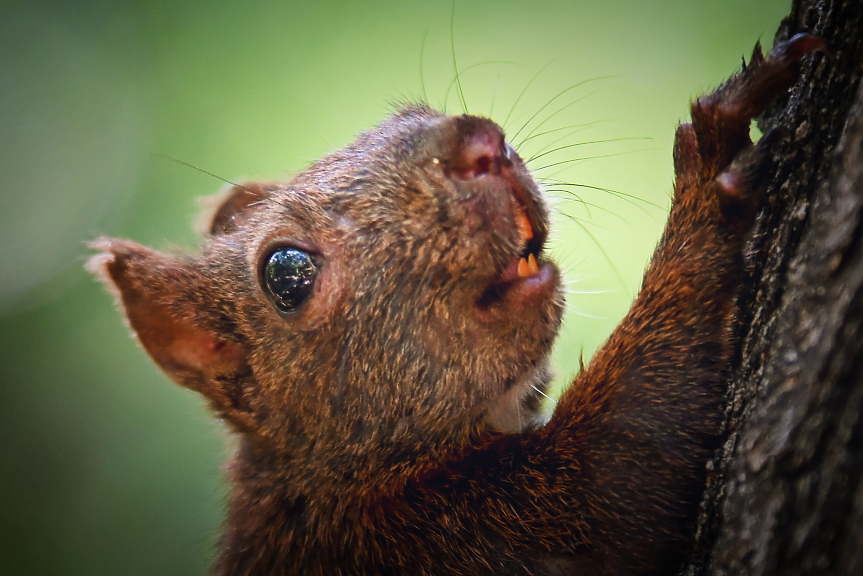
x,y
716,148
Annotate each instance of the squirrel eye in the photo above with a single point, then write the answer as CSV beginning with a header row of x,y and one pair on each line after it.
x,y
289,276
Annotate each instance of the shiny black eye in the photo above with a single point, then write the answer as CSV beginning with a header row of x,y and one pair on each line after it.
x,y
289,276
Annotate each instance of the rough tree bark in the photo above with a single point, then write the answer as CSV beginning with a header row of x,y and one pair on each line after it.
x,y
786,492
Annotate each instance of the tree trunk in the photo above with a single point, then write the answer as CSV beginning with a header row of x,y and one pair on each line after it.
x,y
786,493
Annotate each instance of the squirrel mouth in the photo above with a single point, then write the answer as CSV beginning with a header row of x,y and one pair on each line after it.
x,y
527,275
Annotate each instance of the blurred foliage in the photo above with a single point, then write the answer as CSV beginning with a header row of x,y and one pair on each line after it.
x,y
105,467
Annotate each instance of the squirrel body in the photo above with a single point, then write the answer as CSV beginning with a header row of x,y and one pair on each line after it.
x,y
376,330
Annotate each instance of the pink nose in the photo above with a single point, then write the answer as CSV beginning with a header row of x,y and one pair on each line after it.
x,y
483,152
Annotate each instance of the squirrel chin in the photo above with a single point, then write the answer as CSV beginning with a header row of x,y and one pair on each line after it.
x,y
521,407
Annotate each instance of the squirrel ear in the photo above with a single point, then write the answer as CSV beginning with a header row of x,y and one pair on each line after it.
x,y
170,306
224,212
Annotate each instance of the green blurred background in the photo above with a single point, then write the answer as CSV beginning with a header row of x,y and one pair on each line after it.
x,y
106,467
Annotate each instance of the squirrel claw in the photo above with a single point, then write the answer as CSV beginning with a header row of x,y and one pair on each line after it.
x,y
798,46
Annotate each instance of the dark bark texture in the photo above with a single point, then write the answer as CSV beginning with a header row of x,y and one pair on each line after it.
x,y
785,495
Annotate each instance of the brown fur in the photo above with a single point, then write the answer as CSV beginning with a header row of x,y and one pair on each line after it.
x,y
387,425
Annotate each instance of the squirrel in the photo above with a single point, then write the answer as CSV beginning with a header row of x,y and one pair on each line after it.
x,y
376,331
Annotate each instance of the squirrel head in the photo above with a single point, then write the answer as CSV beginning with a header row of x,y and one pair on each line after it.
x,y
392,298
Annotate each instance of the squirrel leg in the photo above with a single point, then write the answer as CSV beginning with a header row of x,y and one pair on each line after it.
x,y
645,417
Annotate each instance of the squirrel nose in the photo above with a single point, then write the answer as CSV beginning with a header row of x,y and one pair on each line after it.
x,y
483,151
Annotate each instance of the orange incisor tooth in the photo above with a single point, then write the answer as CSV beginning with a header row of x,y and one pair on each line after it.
x,y
525,230
523,268
532,265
